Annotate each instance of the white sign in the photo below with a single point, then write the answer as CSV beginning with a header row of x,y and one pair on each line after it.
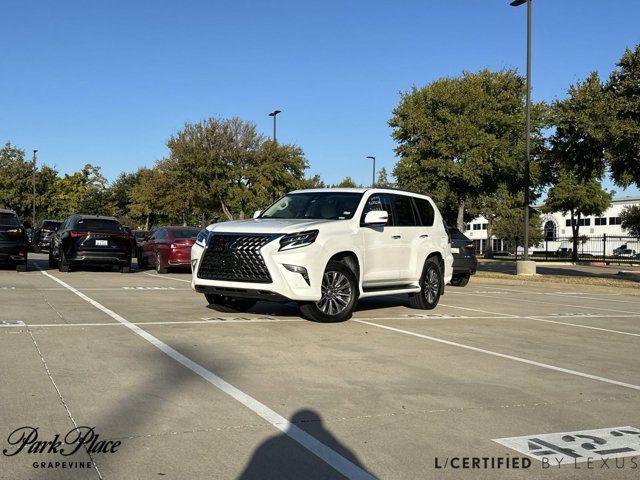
x,y
576,447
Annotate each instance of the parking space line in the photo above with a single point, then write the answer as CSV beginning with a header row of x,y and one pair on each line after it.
x,y
583,326
503,355
579,295
167,278
328,455
546,303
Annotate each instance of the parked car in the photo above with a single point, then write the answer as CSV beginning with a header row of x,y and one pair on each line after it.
x,y
14,243
624,252
168,247
326,248
42,235
465,262
139,237
90,240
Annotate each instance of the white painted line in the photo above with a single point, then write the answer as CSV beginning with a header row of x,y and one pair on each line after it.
x,y
335,460
503,355
167,278
579,295
186,322
506,315
584,326
547,303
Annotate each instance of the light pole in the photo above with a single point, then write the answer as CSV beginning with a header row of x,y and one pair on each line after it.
x,y
525,257
33,218
373,178
274,115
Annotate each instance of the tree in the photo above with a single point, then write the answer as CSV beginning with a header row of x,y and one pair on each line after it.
x,y
217,164
630,218
383,179
579,198
150,195
120,195
16,181
581,124
492,207
464,136
509,226
623,93
346,182
85,191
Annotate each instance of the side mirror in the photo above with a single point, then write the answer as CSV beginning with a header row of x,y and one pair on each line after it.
x,y
27,224
376,217
257,213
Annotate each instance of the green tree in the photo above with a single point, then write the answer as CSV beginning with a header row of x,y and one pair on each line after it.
x,y
579,198
84,191
346,182
623,93
630,218
119,194
383,179
463,137
492,207
16,181
149,196
509,226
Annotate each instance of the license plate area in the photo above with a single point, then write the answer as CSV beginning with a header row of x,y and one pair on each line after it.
x,y
102,243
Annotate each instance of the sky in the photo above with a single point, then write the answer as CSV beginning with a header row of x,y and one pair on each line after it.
x,y
107,83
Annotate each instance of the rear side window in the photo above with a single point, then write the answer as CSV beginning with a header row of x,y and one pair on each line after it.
x,y
9,219
404,211
425,209
97,225
50,225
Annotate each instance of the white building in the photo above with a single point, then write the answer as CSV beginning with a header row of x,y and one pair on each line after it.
x,y
556,225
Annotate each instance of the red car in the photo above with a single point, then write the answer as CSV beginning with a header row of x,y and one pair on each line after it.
x,y
167,247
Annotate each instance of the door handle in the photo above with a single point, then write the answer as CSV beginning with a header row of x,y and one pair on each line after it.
x,y
396,237
424,235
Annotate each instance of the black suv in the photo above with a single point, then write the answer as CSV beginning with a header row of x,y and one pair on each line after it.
x,y
42,236
90,240
14,243
465,262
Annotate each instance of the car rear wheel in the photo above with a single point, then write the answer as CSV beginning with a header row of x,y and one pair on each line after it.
x,y
63,264
21,267
225,304
159,267
142,263
53,263
460,281
430,287
339,295
125,268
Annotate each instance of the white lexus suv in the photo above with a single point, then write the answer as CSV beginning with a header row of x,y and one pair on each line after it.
x,y
325,249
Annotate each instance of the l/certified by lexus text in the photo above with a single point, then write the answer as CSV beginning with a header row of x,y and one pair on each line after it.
x,y
325,249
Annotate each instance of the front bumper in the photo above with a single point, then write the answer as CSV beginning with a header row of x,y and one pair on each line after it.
x,y
285,285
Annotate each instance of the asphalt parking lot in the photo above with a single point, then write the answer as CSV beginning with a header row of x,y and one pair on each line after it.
x,y
392,393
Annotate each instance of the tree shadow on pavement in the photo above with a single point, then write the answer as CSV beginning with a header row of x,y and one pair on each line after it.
x,y
281,458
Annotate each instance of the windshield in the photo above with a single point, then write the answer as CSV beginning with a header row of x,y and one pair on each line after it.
x,y
50,224
9,219
97,225
315,205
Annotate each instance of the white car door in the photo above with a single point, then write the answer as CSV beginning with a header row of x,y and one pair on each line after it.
x,y
429,238
412,239
382,250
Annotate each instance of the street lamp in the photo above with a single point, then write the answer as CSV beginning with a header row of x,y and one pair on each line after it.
x,y
274,114
527,269
373,178
33,218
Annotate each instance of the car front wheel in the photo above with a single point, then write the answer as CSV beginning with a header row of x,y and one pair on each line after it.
x,y
460,281
430,287
339,295
159,267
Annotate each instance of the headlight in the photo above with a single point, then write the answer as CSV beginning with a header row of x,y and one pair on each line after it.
x,y
297,240
203,237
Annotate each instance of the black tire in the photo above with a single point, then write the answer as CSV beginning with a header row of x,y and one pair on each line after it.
x,y
431,284
141,261
53,263
460,281
225,304
125,269
159,267
21,267
339,299
63,264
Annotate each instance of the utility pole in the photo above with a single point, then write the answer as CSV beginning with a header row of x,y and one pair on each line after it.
x,y
373,177
33,218
274,114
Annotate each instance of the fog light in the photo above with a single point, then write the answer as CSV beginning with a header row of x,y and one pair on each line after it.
x,y
301,270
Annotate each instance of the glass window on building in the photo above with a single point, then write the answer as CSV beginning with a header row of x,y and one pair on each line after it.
x,y
614,221
476,226
599,221
484,226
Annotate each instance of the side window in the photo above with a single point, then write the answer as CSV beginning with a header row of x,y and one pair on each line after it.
x,y
425,209
404,211
378,202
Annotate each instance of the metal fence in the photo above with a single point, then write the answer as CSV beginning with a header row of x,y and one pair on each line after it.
x,y
595,248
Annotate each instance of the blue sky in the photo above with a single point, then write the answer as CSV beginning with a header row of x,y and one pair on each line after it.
x,y
108,82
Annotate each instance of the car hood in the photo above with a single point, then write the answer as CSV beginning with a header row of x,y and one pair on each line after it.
x,y
267,225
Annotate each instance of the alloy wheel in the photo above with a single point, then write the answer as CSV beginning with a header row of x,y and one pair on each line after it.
x,y
431,285
336,293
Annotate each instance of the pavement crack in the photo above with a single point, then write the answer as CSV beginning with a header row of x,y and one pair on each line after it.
x,y
64,403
